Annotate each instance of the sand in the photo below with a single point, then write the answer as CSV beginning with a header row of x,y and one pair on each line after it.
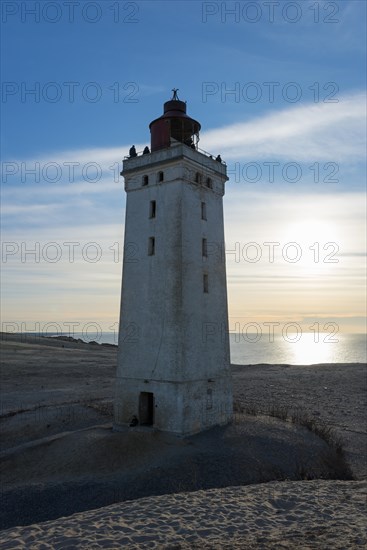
x,y
313,514
59,456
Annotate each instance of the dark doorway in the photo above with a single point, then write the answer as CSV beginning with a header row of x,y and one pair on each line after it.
x,y
146,408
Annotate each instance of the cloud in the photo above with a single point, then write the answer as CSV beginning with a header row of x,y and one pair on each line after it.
x,y
65,188
103,156
16,209
82,212
306,133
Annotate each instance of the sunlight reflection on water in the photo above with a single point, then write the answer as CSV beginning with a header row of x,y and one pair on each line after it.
x,y
306,351
303,350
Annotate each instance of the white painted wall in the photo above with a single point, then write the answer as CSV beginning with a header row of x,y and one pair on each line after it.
x,y
173,339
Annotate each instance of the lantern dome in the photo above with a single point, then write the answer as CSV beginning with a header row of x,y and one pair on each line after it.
x,y
174,125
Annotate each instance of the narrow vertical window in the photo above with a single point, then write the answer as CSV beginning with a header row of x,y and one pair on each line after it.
x,y
205,283
151,246
204,248
209,183
209,399
203,211
145,180
197,177
160,176
152,209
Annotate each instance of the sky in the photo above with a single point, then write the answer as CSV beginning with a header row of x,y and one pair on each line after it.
x,y
278,88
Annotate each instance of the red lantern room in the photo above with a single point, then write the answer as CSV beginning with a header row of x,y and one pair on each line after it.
x,y
174,125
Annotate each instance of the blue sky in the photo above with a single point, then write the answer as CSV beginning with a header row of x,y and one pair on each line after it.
x,y
292,133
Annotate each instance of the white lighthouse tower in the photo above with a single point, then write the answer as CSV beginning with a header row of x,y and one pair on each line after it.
x,y
173,371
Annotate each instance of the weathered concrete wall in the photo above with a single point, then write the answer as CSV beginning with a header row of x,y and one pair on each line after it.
x,y
173,337
179,407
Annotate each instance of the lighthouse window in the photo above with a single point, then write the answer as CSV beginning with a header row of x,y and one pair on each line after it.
x,y
203,211
152,209
204,248
209,399
145,180
209,183
160,176
197,177
205,283
151,246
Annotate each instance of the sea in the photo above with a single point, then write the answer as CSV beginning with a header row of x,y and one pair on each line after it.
x,y
307,348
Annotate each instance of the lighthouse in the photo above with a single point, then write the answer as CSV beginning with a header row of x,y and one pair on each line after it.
x,y
173,371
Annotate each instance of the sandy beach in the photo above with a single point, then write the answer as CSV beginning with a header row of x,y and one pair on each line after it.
x,y
70,481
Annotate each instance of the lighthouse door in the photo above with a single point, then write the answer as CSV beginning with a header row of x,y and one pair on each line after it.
x,y
146,408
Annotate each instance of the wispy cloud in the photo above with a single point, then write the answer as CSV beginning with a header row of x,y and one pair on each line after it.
x,y
83,212
17,209
322,131
305,133
104,156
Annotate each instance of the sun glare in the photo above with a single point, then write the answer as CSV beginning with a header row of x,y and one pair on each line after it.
x,y
312,245
309,349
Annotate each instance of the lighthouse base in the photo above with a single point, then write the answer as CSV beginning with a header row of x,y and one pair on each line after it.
x,y
183,408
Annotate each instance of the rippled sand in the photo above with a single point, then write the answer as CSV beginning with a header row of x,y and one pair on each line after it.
x,y
308,514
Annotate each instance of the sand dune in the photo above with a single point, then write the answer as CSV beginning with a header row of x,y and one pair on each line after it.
x,y
304,515
59,456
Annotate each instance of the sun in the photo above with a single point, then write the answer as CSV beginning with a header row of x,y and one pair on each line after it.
x,y
312,244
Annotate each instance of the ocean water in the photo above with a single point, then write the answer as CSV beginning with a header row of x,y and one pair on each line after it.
x,y
305,349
